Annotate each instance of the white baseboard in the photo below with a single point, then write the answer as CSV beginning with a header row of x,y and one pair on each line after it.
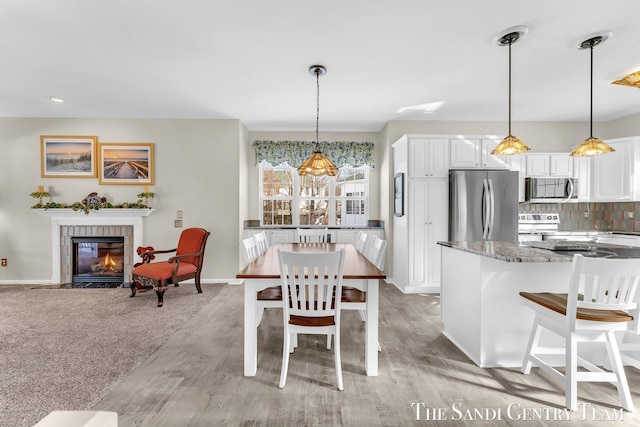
x,y
414,289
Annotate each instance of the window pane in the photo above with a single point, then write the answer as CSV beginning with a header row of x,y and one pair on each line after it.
x,y
314,186
350,212
277,183
314,212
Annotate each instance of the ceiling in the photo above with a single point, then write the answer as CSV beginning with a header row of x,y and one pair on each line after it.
x,y
249,60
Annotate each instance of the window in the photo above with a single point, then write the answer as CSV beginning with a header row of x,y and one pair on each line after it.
x,y
289,199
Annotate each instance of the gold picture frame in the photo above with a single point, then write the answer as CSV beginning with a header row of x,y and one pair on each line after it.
x,y
68,156
125,163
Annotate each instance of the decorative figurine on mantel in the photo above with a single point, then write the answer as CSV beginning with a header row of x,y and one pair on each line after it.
x,y
93,201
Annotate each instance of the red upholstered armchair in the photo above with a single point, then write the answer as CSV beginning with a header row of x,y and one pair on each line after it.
x,y
186,264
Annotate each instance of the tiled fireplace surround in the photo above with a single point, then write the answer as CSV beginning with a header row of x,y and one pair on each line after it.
x,y
66,223
66,246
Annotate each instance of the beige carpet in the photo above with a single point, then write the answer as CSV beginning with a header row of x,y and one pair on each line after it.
x,y
64,349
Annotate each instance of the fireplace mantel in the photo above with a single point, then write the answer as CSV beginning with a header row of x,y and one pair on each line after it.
x,y
102,213
105,216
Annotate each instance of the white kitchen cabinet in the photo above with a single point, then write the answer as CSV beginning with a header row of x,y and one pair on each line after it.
x,y
582,171
537,165
428,157
475,153
415,254
518,163
549,165
428,207
614,176
560,165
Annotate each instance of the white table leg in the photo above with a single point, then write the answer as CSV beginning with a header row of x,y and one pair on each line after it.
x,y
371,328
250,330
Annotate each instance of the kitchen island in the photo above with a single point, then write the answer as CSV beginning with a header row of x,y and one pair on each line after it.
x,y
481,308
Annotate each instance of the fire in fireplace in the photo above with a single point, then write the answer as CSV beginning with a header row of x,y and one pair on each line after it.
x,y
97,261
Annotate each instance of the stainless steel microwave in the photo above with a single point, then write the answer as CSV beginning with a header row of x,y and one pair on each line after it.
x,y
550,190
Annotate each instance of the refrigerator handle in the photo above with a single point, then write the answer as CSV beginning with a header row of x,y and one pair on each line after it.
x,y
492,209
485,209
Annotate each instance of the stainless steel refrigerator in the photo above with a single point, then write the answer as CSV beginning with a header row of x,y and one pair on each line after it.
x,y
483,205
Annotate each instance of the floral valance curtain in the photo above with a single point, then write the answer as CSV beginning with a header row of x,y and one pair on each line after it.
x,y
294,153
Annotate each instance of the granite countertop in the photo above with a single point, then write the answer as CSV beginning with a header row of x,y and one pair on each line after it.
x,y
525,252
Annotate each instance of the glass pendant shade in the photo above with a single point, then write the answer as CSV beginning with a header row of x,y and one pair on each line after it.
x,y
591,146
318,164
509,146
632,80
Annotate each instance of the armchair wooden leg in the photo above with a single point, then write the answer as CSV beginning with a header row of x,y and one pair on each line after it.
x,y
160,292
133,289
197,279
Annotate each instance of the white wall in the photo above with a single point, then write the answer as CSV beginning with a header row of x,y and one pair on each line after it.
x,y
196,171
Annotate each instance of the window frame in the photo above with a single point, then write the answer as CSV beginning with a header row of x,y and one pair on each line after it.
x,y
296,199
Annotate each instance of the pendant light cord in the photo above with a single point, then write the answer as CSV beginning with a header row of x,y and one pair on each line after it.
x,y
510,43
591,97
317,71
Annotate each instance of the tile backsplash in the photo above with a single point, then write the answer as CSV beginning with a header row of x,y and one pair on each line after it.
x,y
610,216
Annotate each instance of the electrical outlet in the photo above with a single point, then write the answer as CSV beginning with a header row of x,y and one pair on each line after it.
x,y
177,223
3,262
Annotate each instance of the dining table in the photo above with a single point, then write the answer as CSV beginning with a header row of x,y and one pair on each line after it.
x,y
264,272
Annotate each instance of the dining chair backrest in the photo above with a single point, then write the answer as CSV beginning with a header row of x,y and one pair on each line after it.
x,y
603,284
377,252
249,248
361,237
261,241
311,235
367,246
309,283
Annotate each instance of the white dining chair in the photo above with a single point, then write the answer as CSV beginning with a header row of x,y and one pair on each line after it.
x,y
261,241
366,246
377,251
311,235
310,282
361,237
599,303
249,248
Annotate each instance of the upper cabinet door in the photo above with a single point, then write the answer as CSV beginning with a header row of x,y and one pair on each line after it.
x,y
428,158
537,164
465,153
561,165
489,161
612,174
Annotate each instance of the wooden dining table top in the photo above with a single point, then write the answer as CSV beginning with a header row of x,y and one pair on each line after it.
x,y
266,266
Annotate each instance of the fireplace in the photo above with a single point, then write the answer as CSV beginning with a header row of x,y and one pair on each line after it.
x,y
98,261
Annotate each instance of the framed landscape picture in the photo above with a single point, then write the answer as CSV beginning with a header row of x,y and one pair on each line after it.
x,y
125,163
68,156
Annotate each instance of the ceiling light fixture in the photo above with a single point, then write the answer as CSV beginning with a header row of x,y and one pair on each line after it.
x,y
592,146
55,99
510,145
632,80
317,164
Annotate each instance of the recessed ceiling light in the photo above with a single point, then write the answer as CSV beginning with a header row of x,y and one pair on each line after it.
x,y
428,108
55,99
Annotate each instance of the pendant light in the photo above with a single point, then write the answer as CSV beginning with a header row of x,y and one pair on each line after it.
x,y
592,146
317,164
510,145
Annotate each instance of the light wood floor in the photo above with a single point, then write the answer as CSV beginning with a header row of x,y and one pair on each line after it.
x,y
196,377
